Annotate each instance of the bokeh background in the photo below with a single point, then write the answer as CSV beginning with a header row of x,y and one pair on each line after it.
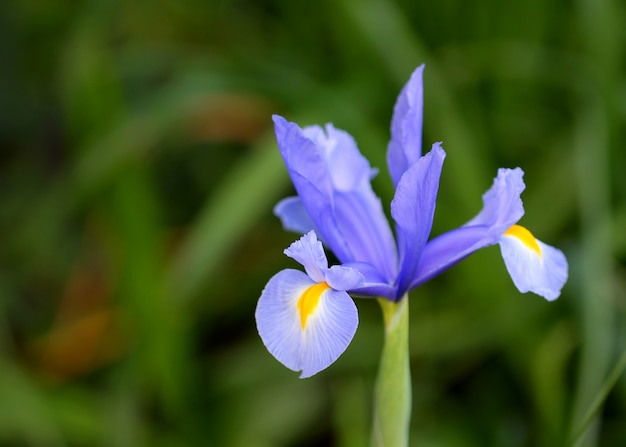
x,y
138,171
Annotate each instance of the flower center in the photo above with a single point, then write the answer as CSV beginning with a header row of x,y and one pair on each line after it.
x,y
309,300
525,236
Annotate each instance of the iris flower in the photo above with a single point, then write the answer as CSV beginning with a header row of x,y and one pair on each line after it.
x,y
306,320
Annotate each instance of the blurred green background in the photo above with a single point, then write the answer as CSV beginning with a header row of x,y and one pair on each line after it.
x,y
138,171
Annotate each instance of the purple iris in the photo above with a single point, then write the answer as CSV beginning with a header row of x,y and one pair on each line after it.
x,y
307,320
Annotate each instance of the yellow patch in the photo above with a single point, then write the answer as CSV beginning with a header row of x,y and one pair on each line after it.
x,y
309,300
525,236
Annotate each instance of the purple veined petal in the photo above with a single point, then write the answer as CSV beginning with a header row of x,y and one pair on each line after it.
x,y
448,249
534,266
293,215
301,155
358,211
307,342
332,181
502,207
413,209
366,231
405,147
309,252
309,175
375,290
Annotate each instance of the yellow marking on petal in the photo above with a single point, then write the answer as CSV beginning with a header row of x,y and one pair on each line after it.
x,y
525,236
309,300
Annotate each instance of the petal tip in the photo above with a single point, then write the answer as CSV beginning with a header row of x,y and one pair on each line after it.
x,y
278,119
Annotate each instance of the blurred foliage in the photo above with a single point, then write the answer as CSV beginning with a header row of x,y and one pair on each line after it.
x,y
138,172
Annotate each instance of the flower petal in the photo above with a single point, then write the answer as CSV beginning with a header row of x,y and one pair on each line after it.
x,y
308,173
344,278
502,208
448,249
373,285
533,266
413,209
366,231
502,203
313,343
332,179
405,147
309,252
348,169
293,215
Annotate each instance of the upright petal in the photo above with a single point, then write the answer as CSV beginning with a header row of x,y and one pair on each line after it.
x,y
305,325
309,252
333,182
348,169
413,209
405,147
293,215
534,266
309,175
502,203
502,208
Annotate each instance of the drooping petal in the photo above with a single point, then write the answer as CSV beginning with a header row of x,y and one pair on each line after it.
x,y
309,252
533,266
333,182
502,208
405,147
293,215
329,331
305,325
413,209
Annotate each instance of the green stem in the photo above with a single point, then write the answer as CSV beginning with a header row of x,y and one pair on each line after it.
x,y
392,396
595,406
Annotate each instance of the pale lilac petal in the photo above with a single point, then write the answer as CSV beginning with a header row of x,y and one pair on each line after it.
x,y
309,252
502,203
348,169
332,181
502,207
329,328
373,285
344,278
413,209
329,332
278,319
405,147
293,215
542,271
